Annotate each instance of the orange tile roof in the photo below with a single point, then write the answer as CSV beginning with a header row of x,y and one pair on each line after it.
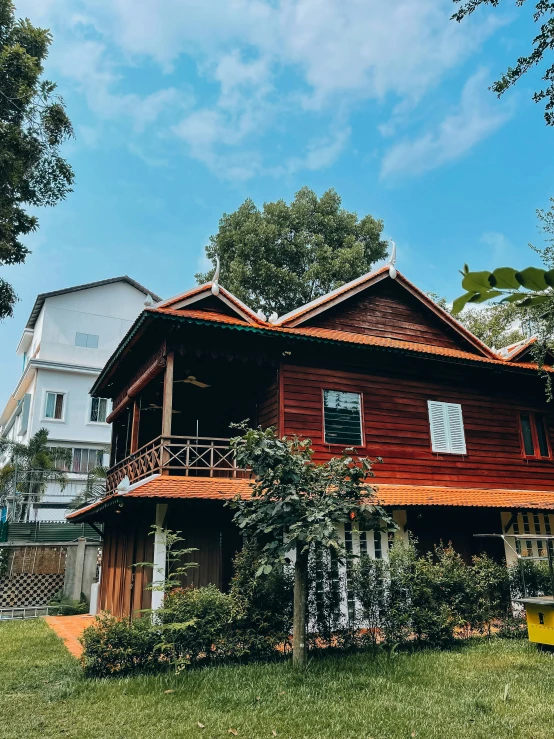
x,y
207,288
409,495
208,488
343,336
202,315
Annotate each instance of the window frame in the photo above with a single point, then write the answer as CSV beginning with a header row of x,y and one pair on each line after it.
x,y
534,435
46,418
89,412
362,421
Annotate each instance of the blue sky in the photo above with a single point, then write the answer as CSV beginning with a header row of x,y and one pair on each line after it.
x,y
184,108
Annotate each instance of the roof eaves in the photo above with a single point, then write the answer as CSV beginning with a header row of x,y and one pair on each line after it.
x,y
334,337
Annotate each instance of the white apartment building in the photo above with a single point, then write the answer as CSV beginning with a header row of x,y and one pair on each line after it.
x,y
68,338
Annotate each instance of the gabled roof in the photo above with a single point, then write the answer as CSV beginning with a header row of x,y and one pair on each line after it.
x,y
194,297
515,351
39,302
398,496
325,302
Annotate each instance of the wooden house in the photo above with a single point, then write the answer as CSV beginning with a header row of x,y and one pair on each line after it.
x,y
465,432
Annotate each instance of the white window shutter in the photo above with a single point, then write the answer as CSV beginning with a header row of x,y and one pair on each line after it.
x,y
447,427
437,422
456,428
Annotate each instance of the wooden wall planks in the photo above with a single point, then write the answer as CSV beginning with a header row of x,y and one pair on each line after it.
x,y
396,426
389,310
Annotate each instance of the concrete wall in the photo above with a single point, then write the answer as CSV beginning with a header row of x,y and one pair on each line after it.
x,y
80,569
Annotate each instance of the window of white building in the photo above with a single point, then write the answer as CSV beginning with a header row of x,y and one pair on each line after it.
x,y
85,460
54,406
99,410
88,340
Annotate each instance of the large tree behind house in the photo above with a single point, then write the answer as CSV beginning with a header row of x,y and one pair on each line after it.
x,y
283,256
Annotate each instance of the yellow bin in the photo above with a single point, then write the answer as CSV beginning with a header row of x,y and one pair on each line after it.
x,y
540,618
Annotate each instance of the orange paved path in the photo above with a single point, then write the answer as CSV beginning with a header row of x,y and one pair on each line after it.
x,y
70,628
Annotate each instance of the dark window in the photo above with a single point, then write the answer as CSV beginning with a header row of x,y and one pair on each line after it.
x,y
541,436
342,418
528,445
534,436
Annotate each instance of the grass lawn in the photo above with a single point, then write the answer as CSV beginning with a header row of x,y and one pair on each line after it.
x,y
447,695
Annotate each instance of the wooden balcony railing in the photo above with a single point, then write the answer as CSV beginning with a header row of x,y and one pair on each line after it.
x,y
188,456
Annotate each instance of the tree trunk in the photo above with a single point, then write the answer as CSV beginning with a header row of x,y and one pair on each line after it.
x,y
299,649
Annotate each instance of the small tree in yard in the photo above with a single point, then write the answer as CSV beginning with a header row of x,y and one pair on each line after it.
x,y
297,504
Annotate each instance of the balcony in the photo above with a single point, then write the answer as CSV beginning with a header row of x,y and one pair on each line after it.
x,y
179,456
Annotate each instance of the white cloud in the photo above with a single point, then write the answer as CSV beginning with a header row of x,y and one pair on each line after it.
x,y
264,56
477,116
500,249
320,153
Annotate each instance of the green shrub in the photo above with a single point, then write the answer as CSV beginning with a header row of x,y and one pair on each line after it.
x,y
196,623
431,598
61,605
533,574
262,606
115,647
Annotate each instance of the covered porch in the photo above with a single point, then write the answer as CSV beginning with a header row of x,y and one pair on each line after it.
x,y
175,417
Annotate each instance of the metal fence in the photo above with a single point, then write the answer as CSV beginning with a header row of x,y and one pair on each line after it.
x,y
10,614
45,531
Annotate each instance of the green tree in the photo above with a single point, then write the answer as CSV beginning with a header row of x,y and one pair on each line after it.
x,y
497,325
30,467
283,256
297,504
542,43
33,126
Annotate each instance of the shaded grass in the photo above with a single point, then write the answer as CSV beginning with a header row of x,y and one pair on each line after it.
x,y
443,695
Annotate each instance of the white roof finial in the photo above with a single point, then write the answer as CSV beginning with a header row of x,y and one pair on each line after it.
x,y
392,261
215,278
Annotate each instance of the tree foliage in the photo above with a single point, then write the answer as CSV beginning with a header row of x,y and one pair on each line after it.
x,y
283,256
297,504
33,126
542,43
30,467
496,325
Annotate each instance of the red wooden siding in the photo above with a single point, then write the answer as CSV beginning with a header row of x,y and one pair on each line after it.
x,y
268,407
388,310
126,542
397,428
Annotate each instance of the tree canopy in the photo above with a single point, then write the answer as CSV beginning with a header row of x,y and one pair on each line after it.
x,y
496,325
33,126
283,256
542,43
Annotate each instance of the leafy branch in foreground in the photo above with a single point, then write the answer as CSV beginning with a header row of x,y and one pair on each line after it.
x,y
542,43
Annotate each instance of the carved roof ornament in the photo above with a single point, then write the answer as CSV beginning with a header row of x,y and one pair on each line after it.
x,y
392,262
215,278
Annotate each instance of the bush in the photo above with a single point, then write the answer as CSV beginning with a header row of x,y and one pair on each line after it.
x,y
535,575
61,605
432,598
196,623
114,647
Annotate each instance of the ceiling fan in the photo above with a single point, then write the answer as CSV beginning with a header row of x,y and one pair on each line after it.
x,y
154,407
191,379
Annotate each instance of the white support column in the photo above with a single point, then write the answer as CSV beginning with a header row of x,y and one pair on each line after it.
x,y
159,573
